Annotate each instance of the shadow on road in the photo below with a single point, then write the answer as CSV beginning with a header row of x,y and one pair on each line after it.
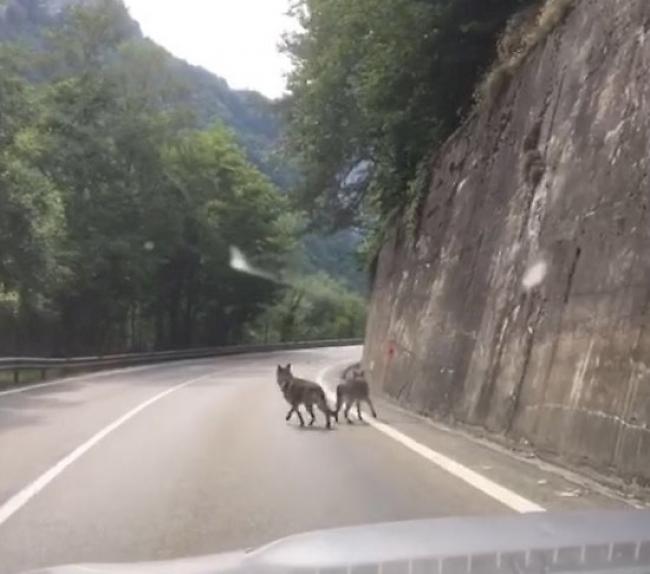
x,y
315,428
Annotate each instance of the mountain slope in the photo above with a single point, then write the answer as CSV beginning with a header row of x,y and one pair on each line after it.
x,y
250,116
254,119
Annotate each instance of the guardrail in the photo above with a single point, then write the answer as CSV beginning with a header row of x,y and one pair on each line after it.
x,y
18,365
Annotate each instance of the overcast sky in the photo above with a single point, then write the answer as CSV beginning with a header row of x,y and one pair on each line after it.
x,y
236,39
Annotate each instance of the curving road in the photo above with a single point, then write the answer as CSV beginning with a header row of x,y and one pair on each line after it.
x,y
193,458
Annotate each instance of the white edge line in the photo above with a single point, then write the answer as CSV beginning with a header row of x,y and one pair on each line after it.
x,y
92,376
75,379
483,484
34,387
21,498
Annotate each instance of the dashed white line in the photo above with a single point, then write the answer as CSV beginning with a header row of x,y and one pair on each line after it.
x,y
20,499
488,487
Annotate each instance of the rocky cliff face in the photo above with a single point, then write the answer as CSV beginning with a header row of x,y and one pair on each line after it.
x,y
522,304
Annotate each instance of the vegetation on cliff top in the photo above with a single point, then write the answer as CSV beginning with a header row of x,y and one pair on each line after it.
x,y
378,86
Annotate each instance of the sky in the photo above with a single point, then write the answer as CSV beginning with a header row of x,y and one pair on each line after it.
x,y
235,39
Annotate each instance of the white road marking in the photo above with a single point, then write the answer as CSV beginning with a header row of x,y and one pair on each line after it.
x,y
91,376
75,379
503,495
20,499
34,387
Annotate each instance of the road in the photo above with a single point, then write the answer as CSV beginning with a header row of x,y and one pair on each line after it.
x,y
194,458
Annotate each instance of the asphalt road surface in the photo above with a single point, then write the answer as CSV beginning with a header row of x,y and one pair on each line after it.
x,y
195,458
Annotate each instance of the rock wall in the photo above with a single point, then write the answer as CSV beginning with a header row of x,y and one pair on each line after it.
x,y
522,302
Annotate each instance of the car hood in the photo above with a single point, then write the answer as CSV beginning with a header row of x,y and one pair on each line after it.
x,y
513,543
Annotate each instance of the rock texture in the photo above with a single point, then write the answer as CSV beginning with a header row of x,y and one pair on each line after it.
x,y
522,303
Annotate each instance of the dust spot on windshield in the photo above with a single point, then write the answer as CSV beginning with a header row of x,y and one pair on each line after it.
x,y
535,275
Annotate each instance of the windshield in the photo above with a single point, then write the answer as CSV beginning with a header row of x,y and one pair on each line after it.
x,y
273,267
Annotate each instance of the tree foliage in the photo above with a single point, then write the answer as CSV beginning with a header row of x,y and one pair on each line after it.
x,y
59,43
376,87
118,209
105,32
31,211
317,307
117,214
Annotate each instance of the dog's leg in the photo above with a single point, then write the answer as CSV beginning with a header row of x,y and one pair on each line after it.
x,y
310,410
302,421
372,408
346,412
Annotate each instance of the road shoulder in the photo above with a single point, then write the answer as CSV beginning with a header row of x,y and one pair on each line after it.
x,y
547,485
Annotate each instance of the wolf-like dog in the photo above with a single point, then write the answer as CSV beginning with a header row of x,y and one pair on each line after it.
x,y
302,392
354,390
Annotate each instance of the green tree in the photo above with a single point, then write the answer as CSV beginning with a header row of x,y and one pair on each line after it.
x,y
316,307
227,203
31,212
118,211
376,87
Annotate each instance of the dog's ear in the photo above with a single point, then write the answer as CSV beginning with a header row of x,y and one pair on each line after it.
x,y
288,367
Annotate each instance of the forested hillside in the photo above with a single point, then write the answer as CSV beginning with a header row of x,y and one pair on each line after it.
x,y
252,117
123,187
257,123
